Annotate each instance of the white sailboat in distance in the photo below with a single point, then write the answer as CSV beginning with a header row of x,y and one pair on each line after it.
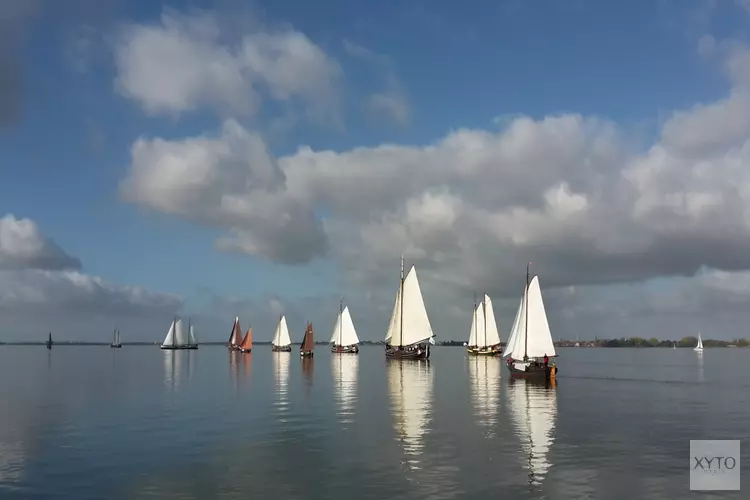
x,y
344,338
484,338
699,347
281,341
178,338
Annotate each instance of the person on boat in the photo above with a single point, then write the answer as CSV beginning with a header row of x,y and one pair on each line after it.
x,y
546,360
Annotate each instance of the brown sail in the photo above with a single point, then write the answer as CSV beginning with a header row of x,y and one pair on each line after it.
x,y
308,343
235,338
247,342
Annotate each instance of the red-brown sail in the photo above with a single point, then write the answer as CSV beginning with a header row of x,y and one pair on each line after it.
x,y
247,342
235,338
308,343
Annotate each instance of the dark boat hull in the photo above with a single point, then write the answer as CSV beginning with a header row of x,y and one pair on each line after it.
x,y
178,347
533,372
417,351
491,351
245,350
286,348
346,349
115,346
306,354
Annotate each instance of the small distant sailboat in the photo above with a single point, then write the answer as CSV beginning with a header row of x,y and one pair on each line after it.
x,y
49,341
530,338
674,345
412,342
281,341
247,343
699,347
308,342
484,339
344,338
177,338
235,337
116,339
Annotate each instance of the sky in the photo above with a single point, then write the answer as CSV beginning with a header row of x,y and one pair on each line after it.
x,y
214,159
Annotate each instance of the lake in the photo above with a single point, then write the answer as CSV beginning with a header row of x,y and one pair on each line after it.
x,y
139,422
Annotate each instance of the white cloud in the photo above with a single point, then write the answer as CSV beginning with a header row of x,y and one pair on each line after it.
x,y
184,63
22,245
42,288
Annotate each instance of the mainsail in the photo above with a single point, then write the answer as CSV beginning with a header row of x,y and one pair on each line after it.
x,y
531,335
281,337
192,335
484,331
235,337
247,342
409,321
308,342
344,333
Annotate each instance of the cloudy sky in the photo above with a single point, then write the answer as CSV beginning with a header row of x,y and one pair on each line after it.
x,y
222,158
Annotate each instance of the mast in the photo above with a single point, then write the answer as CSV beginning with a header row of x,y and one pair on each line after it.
x,y
484,315
188,332
174,336
341,320
401,313
526,325
474,320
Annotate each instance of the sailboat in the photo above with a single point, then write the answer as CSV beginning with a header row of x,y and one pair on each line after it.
x,y
116,339
409,333
533,415
484,338
177,338
235,336
308,342
49,341
530,338
247,343
699,347
344,338
281,341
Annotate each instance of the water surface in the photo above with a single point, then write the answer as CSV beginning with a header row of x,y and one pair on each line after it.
x,y
139,422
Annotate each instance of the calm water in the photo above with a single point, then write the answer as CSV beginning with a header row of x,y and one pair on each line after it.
x,y
94,422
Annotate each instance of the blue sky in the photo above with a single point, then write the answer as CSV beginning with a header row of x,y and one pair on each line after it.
x,y
480,67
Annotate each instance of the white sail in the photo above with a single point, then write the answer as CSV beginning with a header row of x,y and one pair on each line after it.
x,y
533,413
344,369
473,330
192,335
281,337
409,310
514,330
169,339
699,347
344,333
532,336
484,374
410,389
181,336
493,335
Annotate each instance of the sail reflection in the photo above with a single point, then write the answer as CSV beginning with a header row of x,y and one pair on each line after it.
x,y
247,366
344,369
234,369
308,367
533,412
281,371
701,376
484,374
175,368
410,388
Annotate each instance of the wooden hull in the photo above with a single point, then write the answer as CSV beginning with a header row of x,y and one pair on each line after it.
x,y
233,347
306,354
115,346
533,372
283,348
417,351
178,347
245,350
489,351
344,349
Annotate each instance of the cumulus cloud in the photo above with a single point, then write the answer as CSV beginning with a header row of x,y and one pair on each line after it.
x,y
42,287
185,63
23,246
